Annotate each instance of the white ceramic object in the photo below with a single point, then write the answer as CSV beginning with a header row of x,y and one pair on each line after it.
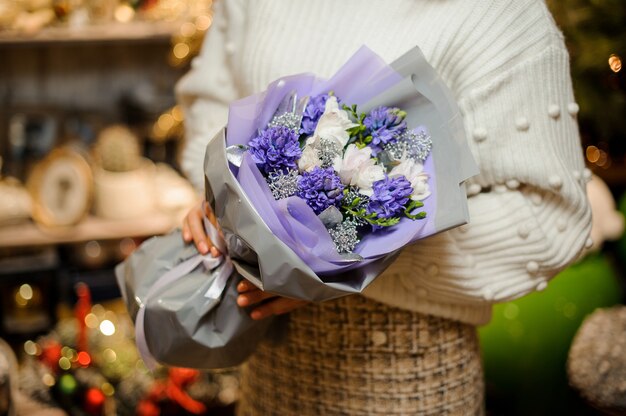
x,y
125,195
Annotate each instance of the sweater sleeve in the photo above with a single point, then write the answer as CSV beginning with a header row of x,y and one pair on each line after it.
x,y
529,215
208,88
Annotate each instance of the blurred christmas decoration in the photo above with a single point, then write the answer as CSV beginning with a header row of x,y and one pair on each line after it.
x,y
169,125
25,310
89,366
15,205
187,41
30,16
597,360
596,38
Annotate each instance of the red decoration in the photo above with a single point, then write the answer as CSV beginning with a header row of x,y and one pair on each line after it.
x,y
147,408
84,358
50,354
94,401
82,308
173,389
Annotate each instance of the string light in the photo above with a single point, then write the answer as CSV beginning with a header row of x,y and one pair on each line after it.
x,y
109,355
48,380
26,291
84,359
107,328
64,363
615,63
592,153
30,348
92,249
91,320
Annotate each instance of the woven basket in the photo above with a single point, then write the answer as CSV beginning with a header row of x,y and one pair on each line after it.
x,y
354,356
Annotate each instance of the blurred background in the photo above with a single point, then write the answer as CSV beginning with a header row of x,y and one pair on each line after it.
x,y
90,135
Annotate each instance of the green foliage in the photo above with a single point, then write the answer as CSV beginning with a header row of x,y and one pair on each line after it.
x,y
358,134
357,211
411,207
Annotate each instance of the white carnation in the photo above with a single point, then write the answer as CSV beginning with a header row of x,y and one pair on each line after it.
x,y
309,159
333,124
353,159
368,173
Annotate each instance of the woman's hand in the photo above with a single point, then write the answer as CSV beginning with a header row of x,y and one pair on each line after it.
x,y
275,305
193,228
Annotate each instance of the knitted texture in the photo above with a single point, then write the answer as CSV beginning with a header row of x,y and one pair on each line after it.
x,y
354,356
505,63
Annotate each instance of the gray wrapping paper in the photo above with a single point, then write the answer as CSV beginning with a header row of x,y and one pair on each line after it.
x,y
182,326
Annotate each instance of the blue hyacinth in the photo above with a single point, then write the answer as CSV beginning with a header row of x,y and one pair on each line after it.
x,y
312,113
276,149
320,188
385,125
390,197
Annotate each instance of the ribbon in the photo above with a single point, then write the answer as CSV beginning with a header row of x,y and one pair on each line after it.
x,y
221,267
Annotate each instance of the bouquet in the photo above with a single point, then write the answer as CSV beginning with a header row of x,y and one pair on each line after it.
x,y
358,172
317,185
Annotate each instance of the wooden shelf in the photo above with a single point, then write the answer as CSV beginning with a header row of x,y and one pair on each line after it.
x,y
110,32
91,228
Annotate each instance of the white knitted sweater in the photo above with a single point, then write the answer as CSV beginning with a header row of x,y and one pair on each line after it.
x,y
507,65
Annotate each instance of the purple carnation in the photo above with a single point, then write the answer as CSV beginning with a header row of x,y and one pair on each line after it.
x,y
312,113
276,149
390,196
385,125
320,188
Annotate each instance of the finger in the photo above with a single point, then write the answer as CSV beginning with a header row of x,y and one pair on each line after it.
x,y
253,297
208,211
203,243
186,232
245,286
278,306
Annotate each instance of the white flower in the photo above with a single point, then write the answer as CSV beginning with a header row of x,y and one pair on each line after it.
x,y
309,159
421,190
368,173
414,173
333,124
352,160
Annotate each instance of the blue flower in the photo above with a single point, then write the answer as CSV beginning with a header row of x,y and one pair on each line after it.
x,y
312,113
320,188
385,125
276,149
389,197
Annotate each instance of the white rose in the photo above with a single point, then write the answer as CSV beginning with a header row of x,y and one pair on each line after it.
x,y
353,158
333,124
368,173
414,173
309,159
